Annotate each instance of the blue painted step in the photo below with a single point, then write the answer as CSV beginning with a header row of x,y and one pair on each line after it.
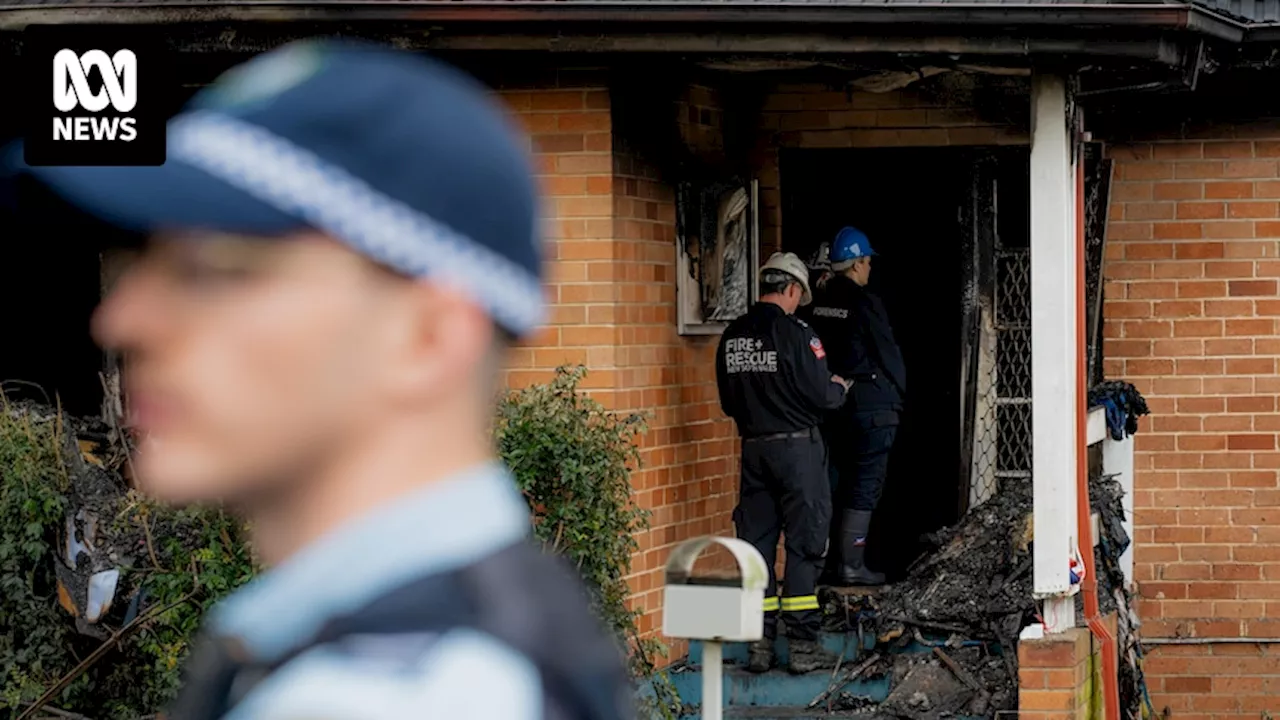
x,y
736,653
774,689
803,714
786,714
845,644
778,695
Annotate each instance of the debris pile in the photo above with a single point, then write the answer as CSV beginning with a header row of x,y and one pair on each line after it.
x,y
977,575
963,605
112,584
97,541
927,689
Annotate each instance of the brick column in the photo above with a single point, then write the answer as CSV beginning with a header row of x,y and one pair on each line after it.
x,y
1060,676
1054,676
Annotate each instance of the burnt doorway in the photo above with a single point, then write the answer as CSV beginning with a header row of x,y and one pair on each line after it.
x,y
51,274
50,284
930,214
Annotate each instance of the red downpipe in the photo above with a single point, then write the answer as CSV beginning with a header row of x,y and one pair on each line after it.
x,y
1084,515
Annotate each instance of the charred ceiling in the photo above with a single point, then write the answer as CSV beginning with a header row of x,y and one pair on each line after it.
x,y
1230,97
653,109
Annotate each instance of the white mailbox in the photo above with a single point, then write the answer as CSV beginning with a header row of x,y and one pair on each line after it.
x,y
708,607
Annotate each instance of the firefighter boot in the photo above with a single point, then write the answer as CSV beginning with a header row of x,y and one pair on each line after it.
x,y
760,658
809,655
853,569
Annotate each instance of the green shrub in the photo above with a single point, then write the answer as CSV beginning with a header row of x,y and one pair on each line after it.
x,y
191,559
202,556
571,458
33,633
572,461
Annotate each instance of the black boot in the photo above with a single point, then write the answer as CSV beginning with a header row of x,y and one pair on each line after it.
x,y
807,656
853,569
761,657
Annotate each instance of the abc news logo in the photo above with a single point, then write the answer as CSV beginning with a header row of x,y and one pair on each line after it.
x,y
96,95
71,91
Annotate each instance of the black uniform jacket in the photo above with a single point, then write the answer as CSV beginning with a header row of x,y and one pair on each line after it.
x,y
772,373
855,330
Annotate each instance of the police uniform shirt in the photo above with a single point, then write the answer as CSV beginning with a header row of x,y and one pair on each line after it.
x,y
462,674
772,373
855,329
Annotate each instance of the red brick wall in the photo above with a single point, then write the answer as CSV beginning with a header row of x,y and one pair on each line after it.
x,y
689,475
573,150
611,246
1191,318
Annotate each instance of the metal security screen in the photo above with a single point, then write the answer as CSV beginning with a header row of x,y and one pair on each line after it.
x,y
1002,422
1002,278
1013,362
1002,432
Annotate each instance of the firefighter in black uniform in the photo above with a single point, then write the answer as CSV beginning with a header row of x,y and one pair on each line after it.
x,y
855,330
774,382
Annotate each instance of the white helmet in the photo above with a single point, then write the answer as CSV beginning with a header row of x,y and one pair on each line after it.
x,y
790,264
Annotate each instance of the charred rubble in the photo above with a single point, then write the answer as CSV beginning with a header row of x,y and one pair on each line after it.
x,y
117,582
962,607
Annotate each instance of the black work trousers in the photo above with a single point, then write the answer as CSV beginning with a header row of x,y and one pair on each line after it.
x,y
784,490
860,446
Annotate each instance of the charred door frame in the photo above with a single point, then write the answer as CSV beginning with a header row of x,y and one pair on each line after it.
x,y
978,298
982,454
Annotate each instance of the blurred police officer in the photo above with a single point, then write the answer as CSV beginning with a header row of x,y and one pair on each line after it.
x,y
343,243
774,382
859,341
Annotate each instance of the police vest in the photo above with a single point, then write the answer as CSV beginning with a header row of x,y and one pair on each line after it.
x,y
521,596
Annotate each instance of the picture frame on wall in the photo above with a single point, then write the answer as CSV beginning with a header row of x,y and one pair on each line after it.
x,y
718,253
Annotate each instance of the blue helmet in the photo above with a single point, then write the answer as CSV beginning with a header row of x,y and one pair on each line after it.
x,y
849,245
